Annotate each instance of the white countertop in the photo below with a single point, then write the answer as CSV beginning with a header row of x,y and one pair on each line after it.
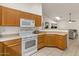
x,y
9,37
58,33
52,30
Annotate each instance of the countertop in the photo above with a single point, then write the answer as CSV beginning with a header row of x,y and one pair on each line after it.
x,y
9,37
58,33
14,36
17,36
54,30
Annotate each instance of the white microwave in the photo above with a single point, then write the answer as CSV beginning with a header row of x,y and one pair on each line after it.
x,y
27,23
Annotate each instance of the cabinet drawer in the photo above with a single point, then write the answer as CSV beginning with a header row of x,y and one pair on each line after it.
x,y
12,42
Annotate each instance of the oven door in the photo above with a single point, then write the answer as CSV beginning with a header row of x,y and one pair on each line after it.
x,y
29,45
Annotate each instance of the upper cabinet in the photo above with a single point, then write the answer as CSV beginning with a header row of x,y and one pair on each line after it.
x,y
26,15
38,20
10,17
0,15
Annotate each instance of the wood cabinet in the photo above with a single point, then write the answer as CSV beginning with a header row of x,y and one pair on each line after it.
x,y
26,15
50,40
0,15
1,49
38,20
61,41
12,47
41,41
9,17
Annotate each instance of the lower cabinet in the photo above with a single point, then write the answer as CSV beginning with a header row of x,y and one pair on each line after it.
x,y
1,49
12,47
61,41
52,40
41,45
41,41
12,50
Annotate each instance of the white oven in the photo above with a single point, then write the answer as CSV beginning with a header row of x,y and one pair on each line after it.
x,y
29,45
29,40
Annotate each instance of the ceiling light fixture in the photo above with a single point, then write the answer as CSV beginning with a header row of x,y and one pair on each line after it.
x,y
70,21
58,18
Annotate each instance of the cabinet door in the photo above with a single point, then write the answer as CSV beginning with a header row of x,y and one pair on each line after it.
x,y
12,47
10,17
41,41
41,45
37,20
50,40
26,15
1,49
61,41
0,15
14,50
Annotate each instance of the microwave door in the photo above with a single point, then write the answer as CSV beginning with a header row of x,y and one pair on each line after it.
x,y
26,23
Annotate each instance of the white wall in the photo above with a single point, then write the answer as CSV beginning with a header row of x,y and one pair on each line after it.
x,y
35,8
47,19
65,25
62,24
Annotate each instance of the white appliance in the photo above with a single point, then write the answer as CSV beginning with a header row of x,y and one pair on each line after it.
x,y
29,40
29,45
27,22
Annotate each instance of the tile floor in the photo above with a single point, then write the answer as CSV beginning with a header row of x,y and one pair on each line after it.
x,y
73,50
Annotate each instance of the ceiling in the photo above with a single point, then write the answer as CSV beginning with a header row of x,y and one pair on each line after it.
x,y
62,10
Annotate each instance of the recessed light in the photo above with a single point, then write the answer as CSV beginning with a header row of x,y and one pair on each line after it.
x,y
58,18
70,22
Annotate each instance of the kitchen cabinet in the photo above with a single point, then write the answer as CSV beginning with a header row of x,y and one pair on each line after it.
x,y
26,15
1,49
0,15
38,20
9,17
12,47
41,41
54,40
50,40
61,41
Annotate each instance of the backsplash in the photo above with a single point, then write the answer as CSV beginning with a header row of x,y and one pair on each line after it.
x,y
4,30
